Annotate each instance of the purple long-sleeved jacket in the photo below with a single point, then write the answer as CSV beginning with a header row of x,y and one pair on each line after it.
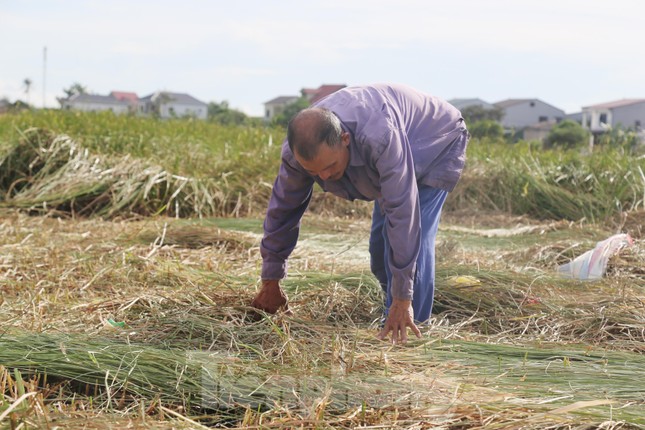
x,y
400,138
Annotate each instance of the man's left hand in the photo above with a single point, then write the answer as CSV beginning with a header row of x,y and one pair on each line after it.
x,y
399,318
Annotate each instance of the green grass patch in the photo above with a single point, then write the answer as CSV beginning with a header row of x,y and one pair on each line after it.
x,y
235,166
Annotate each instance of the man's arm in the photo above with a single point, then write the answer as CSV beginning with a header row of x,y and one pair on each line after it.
x,y
400,202
290,197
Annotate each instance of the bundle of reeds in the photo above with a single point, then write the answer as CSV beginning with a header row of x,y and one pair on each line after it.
x,y
506,305
45,173
192,236
116,373
550,184
338,376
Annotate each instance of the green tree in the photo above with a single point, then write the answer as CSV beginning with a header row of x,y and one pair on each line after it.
x,y
486,128
74,89
289,111
618,136
157,101
223,114
476,113
18,106
567,134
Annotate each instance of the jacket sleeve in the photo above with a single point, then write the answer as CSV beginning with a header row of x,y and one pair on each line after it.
x,y
400,203
290,197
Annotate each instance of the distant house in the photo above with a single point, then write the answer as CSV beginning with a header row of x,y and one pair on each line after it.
x,y
629,113
173,105
465,103
4,106
131,98
538,131
276,106
576,116
520,113
96,103
164,104
315,94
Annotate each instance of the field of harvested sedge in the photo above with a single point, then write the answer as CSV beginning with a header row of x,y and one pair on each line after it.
x,y
127,268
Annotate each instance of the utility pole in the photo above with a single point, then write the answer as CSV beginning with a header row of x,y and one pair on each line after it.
x,y
44,76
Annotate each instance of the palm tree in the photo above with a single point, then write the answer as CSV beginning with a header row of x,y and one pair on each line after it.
x,y
27,85
74,89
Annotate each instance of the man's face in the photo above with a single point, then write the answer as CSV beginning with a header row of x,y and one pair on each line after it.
x,y
330,163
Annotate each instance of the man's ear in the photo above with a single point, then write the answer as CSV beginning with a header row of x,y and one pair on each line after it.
x,y
344,138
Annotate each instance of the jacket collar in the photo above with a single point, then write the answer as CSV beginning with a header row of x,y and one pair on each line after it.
x,y
355,158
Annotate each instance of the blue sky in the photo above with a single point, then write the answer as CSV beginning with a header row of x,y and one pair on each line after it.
x,y
569,53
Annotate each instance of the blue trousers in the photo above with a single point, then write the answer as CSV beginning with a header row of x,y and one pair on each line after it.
x,y
431,201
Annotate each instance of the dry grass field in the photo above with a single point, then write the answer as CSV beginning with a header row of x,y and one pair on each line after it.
x,y
145,324
129,256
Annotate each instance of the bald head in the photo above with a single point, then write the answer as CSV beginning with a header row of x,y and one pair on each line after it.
x,y
313,127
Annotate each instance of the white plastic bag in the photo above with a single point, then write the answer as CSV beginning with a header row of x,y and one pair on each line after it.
x,y
592,264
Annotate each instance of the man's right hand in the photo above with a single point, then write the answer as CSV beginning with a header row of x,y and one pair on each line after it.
x,y
271,298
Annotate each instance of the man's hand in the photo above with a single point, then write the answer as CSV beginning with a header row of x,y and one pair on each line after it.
x,y
271,298
399,318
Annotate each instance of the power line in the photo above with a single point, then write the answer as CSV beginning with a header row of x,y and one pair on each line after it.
x,y
44,75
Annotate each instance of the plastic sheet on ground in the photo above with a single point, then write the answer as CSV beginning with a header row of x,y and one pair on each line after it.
x,y
592,264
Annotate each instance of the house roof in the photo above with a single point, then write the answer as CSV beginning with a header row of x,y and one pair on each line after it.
x,y
575,116
180,98
325,90
126,96
464,103
511,102
281,100
95,98
312,94
615,104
